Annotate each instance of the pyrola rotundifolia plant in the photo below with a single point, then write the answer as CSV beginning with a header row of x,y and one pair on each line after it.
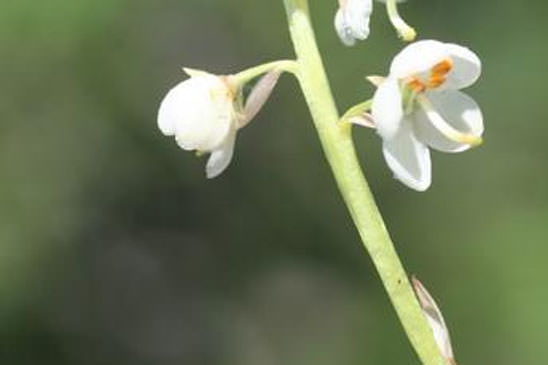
x,y
418,106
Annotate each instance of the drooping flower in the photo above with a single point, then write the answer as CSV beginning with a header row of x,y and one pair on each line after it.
x,y
419,105
205,112
352,20
200,113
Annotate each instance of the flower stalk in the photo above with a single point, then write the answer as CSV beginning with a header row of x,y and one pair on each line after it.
x,y
405,31
246,76
336,140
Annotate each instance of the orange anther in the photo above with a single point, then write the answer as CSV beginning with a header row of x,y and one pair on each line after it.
x,y
436,81
439,73
416,85
438,76
443,67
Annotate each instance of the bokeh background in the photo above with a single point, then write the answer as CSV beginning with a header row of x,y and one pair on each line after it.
x,y
114,249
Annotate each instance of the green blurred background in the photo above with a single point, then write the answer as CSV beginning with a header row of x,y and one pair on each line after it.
x,y
114,249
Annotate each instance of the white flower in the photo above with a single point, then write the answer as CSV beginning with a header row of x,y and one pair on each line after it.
x,y
419,106
200,113
205,112
352,20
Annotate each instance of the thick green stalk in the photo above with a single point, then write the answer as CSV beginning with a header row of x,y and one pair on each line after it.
x,y
339,149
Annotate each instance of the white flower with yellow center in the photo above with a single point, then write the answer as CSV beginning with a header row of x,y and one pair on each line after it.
x,y
419,105
352,20
200,113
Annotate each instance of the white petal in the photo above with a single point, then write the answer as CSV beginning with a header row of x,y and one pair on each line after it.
x,y
409,159
343,30
417,58
387,109
458,110
198,111
357,15
466,67
220,158
167,114
352,20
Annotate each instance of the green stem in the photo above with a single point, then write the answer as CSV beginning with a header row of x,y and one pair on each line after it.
x,y
339,149
247,75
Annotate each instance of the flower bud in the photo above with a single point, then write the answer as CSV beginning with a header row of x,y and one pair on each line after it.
x,y
352,20
205,112
200,113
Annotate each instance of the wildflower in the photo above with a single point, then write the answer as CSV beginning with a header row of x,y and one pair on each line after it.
x,y
205,112
352,20
200,113
419,105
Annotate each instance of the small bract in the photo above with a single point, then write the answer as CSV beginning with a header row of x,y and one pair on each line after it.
x,y
200,113
435,320
419,105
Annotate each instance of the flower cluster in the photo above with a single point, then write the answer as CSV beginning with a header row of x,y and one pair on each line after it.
x,y
416,107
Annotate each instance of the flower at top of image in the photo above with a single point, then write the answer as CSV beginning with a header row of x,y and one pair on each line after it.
x,y
352,20
353,16
419,106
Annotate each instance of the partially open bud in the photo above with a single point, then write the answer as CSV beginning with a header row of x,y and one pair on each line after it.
x,y
200,113
352,20
436,321
205,112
